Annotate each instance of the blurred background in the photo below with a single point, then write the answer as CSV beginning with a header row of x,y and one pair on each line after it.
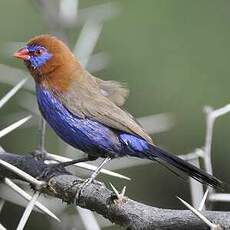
x,y
174,57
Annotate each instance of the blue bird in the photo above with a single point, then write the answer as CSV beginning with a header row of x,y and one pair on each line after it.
x,y
86,112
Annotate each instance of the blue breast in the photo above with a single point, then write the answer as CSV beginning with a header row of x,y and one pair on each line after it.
x,y
87,135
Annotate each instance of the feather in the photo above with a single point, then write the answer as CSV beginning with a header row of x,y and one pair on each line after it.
x,y
80,92
114,91
63,68
85,100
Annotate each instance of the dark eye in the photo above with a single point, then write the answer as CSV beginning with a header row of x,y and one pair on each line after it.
x,y
38,52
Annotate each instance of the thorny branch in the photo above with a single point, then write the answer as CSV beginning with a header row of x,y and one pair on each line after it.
x,y
96,197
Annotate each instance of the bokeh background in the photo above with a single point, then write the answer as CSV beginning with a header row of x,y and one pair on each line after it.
x,y
174,57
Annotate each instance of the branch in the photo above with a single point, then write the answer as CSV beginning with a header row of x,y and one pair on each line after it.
x,y
96,197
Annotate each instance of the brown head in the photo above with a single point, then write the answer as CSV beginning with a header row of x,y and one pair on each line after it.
x,y
50,62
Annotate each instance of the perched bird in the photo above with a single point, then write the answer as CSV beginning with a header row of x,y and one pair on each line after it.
x,y
86,112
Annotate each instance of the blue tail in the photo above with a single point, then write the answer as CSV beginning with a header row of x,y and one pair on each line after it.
x,y
140,148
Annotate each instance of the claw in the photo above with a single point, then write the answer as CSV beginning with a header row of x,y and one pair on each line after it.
x,y
90,179
82,187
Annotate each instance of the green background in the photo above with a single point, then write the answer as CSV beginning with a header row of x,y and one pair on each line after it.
x,y
173,55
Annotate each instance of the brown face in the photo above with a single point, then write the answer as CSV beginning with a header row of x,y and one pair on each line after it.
x,y
43,54
49,61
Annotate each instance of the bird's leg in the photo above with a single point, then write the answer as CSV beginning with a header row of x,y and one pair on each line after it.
x,y
92,177
41,134
40,152
97,171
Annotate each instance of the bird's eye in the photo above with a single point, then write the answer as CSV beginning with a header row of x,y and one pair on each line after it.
x,y
37,52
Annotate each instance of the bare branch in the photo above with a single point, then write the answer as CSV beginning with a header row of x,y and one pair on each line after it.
x,y
97,197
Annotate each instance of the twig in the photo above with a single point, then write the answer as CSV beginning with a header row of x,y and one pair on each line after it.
x,y
211,116
87,40
88,219
2,227
28,211
41,135
12,92
27,197
68,11
199,215
2,202
208,140
196,188
202,203
14,126
10,75
221,197
22,174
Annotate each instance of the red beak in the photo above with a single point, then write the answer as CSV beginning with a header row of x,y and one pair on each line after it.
x,y
23,54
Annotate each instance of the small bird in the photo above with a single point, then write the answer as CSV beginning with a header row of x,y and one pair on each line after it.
x,y
86,111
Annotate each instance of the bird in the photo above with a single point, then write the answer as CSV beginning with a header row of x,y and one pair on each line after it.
x,y
86,112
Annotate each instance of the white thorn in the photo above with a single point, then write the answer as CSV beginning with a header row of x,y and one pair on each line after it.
x,y
120,195
221,197
22,174
201,206
88,219
28,197
2,202
68,11
87,40
2,227
198,214
11,93
207,109
13,126
123,191
28,211
115,190
88,166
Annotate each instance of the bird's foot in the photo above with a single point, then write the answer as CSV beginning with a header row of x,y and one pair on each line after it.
x,y
91,178
87,182
83,185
